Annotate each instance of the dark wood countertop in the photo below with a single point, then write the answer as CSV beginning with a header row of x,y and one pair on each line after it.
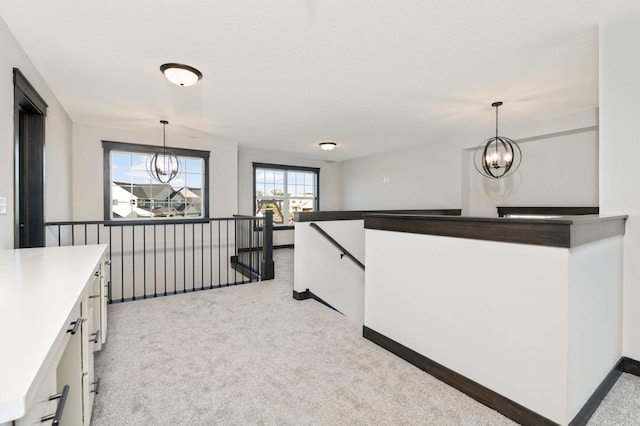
x,y
561,231
359,214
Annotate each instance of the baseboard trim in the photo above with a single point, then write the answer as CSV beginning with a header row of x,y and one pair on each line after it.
x,y
284,246
494,400
480,393
598,395
630,366
303,295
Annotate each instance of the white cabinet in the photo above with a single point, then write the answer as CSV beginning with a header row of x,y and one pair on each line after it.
x,y
45,403
58,296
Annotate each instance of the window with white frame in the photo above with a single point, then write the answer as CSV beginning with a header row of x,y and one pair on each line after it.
x,y
131,193
285,190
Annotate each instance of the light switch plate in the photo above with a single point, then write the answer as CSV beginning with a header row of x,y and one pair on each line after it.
x,y
3,205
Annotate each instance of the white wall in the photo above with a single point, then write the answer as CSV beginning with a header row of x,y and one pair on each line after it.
x,y
319,268
57,142
542,333
426,176
469,314
620,152
595,317
88,167
330,188
558,168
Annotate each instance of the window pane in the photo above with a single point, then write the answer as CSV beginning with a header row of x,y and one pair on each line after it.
x,y
192,165
282,187
291,178
309,178
264,204
194,181
308,190
270,176
299,205
269,189
134,193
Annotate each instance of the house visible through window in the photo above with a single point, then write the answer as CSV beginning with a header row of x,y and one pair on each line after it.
x,y
131,192
285,190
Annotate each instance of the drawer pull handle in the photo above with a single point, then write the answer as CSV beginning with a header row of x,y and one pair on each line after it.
x,y
96,338
96,384
62,396
76,325
96,273
94,296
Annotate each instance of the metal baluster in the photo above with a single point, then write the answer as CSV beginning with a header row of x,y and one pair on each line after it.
x,y
183,247
193,257
110,265
219,254
210,254
122,262
59,239
133,260
202,256
175,265
164,230
251,252
144,260
155,264
235,248
85,234
73,235
227,256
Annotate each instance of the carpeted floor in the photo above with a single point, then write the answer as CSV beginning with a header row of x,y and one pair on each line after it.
x,y
251,354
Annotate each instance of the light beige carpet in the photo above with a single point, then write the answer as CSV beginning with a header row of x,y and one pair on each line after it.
x,y
251,354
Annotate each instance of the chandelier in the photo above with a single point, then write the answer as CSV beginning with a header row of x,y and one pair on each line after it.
x,y
163,166
498,156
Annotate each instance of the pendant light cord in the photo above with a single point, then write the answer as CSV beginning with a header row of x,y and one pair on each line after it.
x,y
496,122
497,128
164,136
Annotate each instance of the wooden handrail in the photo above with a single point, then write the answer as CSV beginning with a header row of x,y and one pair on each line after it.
x,y
344,251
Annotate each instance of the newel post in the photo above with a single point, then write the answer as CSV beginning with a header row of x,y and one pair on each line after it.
x,y
268,267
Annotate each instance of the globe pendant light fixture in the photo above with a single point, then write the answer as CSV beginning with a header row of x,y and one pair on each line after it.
x,y
163,166
180,74
497,157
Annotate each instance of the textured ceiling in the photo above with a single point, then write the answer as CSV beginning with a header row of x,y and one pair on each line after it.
x,y
286,74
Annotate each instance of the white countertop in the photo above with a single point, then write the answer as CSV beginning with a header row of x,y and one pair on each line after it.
x,y
39,288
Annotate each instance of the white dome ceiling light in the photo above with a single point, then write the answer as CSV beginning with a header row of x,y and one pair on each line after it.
x,y
327,145
180,74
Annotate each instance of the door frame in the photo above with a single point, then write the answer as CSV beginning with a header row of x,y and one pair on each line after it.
x,y
27,99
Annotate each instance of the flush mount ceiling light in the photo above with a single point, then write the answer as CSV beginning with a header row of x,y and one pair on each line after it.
x,y
180,74
163,166
327,146
497,157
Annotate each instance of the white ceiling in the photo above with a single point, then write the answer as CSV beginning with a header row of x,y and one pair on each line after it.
x,y
284,75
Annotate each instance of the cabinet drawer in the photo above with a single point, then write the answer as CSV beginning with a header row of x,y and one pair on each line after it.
x,y
42,405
